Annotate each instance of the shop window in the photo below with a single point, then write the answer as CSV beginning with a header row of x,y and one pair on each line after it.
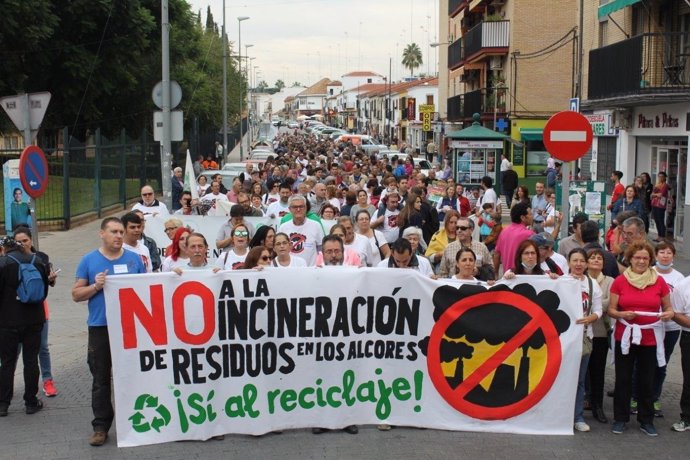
x,y
536,158
606,160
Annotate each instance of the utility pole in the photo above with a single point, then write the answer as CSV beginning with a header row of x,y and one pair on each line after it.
x,y
166,160
225,87
239,63
566,166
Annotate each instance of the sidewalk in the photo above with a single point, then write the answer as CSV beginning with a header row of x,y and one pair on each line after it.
x,y
61,430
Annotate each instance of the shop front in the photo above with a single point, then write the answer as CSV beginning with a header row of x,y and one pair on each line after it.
x,y
476,152
661,145
528,152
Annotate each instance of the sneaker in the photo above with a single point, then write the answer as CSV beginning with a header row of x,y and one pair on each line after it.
x,y
49,388
98,438
618,427
35,408
383,427
681,426
657,409
633,406
581,426
648,429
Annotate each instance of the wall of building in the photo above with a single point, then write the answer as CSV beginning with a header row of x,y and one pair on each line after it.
x,y
541,85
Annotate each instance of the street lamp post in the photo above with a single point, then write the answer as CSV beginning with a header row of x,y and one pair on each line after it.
x,y
225,88
247,61
239,50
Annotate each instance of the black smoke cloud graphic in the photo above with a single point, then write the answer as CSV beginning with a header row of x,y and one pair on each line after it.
x,y
495,323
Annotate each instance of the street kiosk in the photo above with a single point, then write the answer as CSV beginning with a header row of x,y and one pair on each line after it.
x,y
475,153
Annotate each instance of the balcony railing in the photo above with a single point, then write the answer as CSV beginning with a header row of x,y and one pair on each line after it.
x,y
648,63
456,54
454,6
487,35
480,101
454,108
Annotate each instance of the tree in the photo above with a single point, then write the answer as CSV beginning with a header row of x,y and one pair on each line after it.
x,y
210,25
100,60
296,84
412,57
280,84
262,86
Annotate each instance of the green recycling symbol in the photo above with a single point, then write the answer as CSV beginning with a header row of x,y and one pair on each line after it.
x,y
139,422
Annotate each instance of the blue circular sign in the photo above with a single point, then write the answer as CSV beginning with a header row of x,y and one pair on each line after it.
x,y
33,171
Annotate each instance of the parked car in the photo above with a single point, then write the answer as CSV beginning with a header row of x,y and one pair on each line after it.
x,y
292,124
262,155
226,176
242,166
424,165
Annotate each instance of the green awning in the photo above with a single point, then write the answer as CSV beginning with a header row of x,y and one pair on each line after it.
x,y
532,134
614,5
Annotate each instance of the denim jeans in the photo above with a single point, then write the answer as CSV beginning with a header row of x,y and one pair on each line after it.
x,y
580,396
10,339
100,365
44,355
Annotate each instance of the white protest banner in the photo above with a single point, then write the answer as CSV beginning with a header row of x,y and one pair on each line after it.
x,y
204,354
209,226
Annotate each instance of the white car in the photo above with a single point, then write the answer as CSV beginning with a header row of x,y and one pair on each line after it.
x,y
292,125
424,165
262,155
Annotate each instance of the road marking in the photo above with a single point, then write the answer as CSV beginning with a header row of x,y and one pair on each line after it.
x,y
568,136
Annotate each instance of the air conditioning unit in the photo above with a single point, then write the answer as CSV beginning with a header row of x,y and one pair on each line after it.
x,y
496,63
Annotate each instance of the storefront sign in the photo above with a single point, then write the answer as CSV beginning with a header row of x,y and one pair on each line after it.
x,y
664,120
601,123
476,144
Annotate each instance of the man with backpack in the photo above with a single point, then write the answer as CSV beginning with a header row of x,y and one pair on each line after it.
x,y
23,288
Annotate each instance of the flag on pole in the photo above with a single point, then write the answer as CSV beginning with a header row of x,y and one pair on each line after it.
x,y
189,179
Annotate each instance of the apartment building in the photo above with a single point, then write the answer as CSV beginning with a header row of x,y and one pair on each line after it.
x,y
514,63
637,94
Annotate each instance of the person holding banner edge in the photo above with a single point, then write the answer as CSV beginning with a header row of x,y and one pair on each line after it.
x,y
110,259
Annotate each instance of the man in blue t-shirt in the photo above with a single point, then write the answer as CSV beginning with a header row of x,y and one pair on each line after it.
x,y
92,272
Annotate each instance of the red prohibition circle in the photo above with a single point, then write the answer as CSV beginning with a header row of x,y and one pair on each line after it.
x,y
553,356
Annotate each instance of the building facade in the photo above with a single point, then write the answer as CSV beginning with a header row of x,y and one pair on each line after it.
x,y
637,87
514,74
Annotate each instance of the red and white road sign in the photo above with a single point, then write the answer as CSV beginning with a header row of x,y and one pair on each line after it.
x,y
568,135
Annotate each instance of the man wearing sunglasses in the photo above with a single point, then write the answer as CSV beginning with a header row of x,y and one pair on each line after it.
x,y
149,204
484,263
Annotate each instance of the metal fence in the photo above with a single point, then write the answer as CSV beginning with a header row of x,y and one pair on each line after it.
x,y
91,176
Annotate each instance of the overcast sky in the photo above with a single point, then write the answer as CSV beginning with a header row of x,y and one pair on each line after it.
x,y
305,40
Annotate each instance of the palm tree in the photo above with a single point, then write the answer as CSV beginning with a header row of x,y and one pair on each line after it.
x,y
412,57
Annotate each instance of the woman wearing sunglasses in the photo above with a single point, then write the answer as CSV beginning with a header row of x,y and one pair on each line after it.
x,y
235,257
258,258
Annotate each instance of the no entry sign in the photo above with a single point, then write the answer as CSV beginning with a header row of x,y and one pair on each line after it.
x,y
33,171
568,135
